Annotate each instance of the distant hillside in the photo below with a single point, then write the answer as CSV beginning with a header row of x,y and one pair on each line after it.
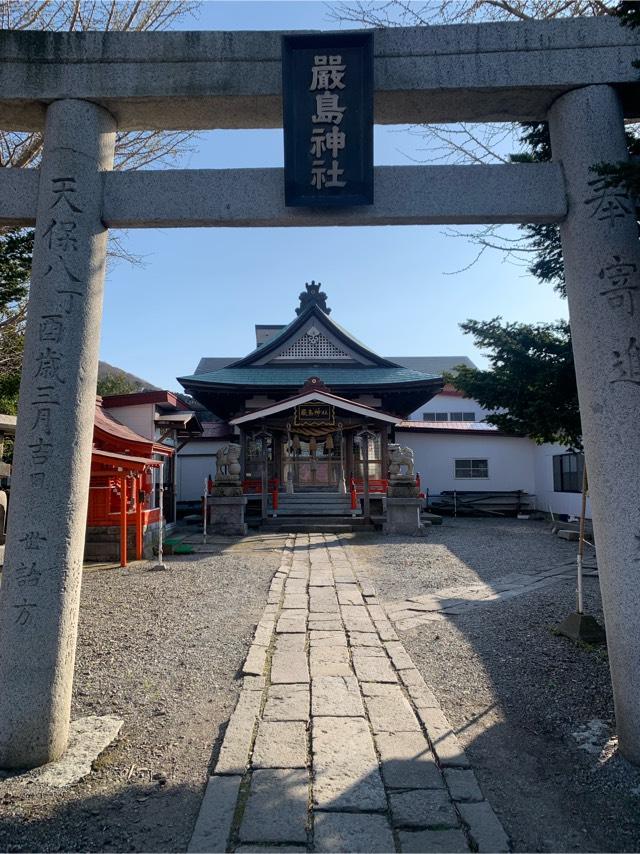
x,y
106,370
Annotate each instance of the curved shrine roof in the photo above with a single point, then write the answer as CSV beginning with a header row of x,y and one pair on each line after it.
x,y
296,375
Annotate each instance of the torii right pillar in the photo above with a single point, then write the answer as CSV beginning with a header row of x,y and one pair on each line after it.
x,y
602,268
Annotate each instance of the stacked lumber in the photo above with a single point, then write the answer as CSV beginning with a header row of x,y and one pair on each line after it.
x,y
482,503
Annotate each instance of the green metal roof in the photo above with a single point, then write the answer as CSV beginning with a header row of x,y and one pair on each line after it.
x,y
295,376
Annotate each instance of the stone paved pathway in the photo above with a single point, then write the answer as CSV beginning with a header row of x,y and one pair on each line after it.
x,y
336,743
452,601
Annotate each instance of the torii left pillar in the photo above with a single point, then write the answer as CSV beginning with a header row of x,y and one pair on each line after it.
x,y
40,594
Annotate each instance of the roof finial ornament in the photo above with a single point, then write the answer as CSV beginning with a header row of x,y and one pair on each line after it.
x,y
313,296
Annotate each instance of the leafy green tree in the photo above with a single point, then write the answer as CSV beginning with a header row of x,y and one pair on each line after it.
x,y
16,246
530,389
115,384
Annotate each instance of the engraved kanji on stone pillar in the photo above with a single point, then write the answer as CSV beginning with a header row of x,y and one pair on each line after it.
x,y
40,593
602,269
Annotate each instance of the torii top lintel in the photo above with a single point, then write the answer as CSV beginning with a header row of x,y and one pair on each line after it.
x,y
506,71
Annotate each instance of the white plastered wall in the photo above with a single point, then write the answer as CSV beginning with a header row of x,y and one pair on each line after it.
x,y
511,460
558,502
196,461
449,403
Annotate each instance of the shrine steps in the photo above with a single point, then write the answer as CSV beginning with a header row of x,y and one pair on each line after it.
x,y
315,504
316,525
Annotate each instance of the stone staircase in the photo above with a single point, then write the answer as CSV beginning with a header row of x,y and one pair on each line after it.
x,y
316,512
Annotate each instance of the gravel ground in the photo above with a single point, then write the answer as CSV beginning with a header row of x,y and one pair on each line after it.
x,y
521,698
162,650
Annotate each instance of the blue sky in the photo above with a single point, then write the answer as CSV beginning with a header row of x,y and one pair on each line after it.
x,y
200,291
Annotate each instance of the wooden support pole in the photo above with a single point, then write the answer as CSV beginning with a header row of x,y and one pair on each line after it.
x,y
123,520
139,545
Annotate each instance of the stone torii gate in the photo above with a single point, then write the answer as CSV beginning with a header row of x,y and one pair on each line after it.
x,y
80,88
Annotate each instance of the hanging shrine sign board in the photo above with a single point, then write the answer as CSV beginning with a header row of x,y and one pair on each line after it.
x,y
320,414
327,93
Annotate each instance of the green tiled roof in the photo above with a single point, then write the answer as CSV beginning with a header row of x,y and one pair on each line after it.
x,y
295,376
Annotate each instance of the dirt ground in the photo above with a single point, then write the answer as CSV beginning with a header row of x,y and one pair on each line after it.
x,y
162,650
534,711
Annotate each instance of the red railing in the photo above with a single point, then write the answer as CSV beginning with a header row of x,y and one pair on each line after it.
x,y
253,486
375,485
274,495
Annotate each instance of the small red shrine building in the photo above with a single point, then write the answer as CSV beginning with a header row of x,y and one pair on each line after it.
x,y
122,517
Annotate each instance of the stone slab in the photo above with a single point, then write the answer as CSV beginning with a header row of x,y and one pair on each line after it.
x,y
349,594
325,622
364,639
385,630
289,666
351,833
88,737
373,669
287,702
433,842
329,661
276,809
484,826
462,784
407,761
423,808
336,696
255,661
391,713
293,620
399,656
346,774
319,638
280,744
213,825
295,601
234,752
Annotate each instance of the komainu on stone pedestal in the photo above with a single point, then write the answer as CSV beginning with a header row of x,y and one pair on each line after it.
x,y
399,457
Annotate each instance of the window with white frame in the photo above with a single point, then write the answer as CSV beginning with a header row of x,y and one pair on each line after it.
x,y
472,468
435,416
462,416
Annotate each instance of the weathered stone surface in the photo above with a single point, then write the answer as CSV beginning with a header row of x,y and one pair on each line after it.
x,y
213,824
587,128
287,702
329,661
422,808
88,737
325,622
234,753
433,842
280,744
385,630
294,601
364,639
255,660
276,809
445,743
373,668
484,827
345,766
349,594
462,784
407,761
356,618
337,696
293,620
391,713
321,579
318,638
348,832
288,666
399,656
48,507
253,683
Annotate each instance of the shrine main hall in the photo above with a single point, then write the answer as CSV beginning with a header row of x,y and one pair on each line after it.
x,y
311,405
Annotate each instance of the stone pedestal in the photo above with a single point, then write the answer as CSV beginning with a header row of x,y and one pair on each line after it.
x,y
403,508
602,268
40,593
226,514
